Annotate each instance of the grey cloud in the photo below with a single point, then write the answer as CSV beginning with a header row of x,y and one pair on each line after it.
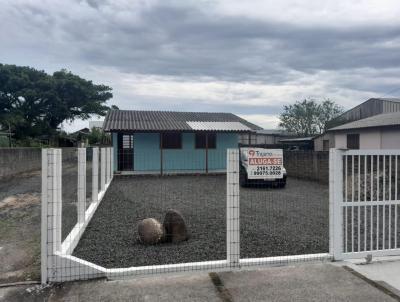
x,y
187,42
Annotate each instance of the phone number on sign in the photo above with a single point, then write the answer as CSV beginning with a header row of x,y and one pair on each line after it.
x,y
270,171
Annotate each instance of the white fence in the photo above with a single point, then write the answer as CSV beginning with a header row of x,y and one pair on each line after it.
x,y
57,262
363,208
364,199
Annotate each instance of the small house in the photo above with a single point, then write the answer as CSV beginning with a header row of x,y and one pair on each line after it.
x,y
173,142
380,131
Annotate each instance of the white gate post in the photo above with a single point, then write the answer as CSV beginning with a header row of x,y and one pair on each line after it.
x,y
81,184
95,175
335,203
232,208
103,169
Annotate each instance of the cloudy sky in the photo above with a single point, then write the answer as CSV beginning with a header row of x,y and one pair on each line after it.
x,y
245,57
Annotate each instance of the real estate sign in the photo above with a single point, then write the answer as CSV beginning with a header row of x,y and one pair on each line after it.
x,y
265,163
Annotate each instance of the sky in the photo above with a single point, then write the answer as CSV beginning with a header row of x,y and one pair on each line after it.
x,y
246,57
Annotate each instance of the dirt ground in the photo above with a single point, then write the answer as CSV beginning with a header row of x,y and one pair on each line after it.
x,y
20,212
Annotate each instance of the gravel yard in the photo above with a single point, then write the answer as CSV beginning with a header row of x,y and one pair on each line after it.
x,y
274,222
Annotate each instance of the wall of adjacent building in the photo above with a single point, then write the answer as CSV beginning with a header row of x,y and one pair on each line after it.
x,y
371,138
15,161
308,164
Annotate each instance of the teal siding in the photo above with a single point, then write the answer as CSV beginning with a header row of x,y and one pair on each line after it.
x,y
147,153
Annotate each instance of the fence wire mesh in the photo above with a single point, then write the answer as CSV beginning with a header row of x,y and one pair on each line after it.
x,y
148,219
285,219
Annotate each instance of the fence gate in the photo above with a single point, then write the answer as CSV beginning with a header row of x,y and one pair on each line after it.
x,y
364,201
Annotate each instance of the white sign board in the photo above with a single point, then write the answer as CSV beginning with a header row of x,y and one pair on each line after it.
x,y
264,163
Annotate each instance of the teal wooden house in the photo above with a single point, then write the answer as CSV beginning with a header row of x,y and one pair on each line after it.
x,y
163,142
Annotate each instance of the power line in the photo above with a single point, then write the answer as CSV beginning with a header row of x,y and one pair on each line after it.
x,y
391,91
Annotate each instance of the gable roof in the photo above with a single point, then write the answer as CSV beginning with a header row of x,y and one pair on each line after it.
x,y
135,120
380,120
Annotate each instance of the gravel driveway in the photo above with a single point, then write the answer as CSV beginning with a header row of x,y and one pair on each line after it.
x,y
274,222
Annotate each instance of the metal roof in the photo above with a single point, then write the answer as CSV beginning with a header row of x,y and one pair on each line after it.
x,y
218,126
275,132
380,120
297,139
135,120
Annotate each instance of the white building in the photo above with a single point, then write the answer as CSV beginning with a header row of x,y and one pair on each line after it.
x,y
380,131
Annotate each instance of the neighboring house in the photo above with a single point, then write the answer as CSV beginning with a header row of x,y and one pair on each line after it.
x,y
80,137
369,108
96,124
324,141
172,142
266,137
381,131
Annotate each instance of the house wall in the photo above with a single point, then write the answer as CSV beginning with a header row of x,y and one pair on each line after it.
x,y
390,139
371,138
341,140
147,153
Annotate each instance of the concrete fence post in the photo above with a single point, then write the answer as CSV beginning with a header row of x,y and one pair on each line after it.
x,y
232,208
103,170
95,175
112,162
51,211
108,165
335,203
58,216
81,184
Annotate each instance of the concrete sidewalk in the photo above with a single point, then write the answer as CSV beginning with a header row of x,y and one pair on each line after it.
x,y
306,282
382,270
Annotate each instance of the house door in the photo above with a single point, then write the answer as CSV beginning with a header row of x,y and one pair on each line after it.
x,y
125,152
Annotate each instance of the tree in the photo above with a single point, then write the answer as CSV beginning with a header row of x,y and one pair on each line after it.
x,y
307,117
33,102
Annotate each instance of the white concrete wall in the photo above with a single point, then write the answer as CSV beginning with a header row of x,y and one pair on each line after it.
x,y
390,139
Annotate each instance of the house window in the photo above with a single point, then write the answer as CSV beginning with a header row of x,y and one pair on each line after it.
x,y
171,140
325,145
127,141
201,140
353,141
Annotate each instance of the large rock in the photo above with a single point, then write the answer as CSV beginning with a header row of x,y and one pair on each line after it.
x,y
150,231
175,227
